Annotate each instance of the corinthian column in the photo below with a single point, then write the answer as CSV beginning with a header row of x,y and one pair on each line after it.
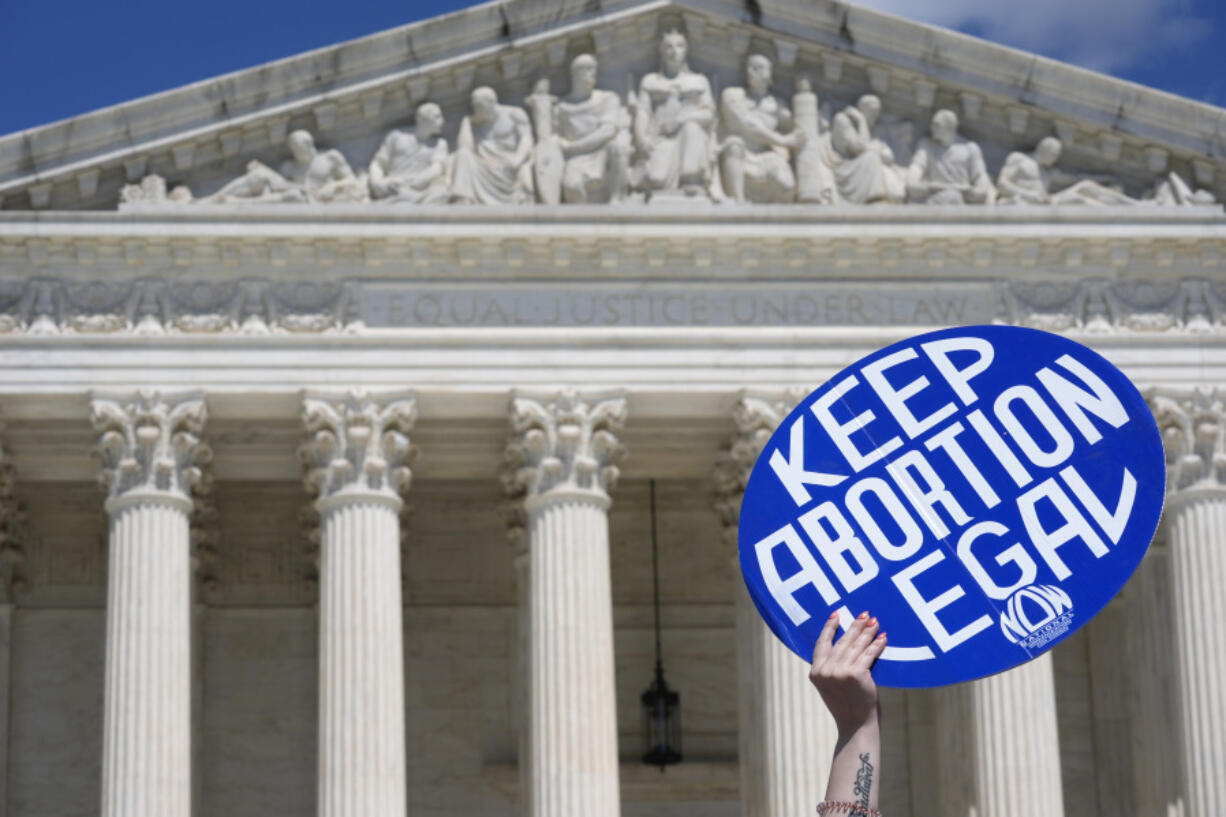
x,y
151,455
562,453
786,737
355,461
1194,431
1008,765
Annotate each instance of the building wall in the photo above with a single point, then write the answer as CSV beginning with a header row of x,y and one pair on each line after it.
x,y
257,675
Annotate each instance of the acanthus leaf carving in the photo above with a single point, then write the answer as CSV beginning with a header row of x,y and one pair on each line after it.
x,y
150,445
755,418
357,444
563,445
1193,427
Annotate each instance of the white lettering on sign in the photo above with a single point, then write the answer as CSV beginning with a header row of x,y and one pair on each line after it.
x,y
839,544
960,379
947,441
912,536
791,469
1112,522
1075,525
919,510
783,590
896,399
926,609
1074,401
840,433
906,471
1015,553
1062,441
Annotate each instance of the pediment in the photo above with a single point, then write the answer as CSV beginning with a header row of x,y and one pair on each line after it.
x,y
351,95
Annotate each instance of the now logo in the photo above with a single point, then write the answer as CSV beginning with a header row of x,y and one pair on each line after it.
x,y
1032,608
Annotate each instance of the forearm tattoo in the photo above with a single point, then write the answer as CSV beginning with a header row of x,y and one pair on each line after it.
x,y
864,785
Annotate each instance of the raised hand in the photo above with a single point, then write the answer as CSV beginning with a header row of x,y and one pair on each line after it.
x,y
841,671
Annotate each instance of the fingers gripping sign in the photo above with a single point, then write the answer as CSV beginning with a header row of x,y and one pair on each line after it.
x,y
841,670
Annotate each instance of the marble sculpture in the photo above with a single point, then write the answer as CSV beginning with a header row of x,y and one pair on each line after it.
x,y
668,138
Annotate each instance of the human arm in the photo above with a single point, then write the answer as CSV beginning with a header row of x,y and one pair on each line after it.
x,y
599,136
738,113
376,171
436,169
523,126
841,673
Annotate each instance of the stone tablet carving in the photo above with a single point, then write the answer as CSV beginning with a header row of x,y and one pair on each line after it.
x,y
311,175
674,122
590,128
491,162
758,135
948,169
412,167
862,166
1028,178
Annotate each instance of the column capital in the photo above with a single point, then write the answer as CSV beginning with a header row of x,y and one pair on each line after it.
x,y
563,445
149,446
357,446
755,417
1193,427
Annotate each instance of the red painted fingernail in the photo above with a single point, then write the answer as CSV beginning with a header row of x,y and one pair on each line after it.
x,y
881,637
863,615
834,615
872,622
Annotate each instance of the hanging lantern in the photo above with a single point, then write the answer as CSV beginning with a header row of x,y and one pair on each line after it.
x,y
661,705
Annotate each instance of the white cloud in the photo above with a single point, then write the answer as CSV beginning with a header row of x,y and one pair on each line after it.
x,y
1103,35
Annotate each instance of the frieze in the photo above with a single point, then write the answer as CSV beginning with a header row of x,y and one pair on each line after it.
x,y
256,307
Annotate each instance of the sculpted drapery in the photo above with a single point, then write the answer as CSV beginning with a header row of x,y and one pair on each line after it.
x,y
668,138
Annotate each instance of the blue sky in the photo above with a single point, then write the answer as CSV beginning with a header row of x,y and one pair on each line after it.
x,y
60,58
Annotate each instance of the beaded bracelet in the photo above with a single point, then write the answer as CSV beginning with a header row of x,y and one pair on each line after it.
x,y
843,807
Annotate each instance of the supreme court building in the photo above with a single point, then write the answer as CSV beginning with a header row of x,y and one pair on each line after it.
x,y
534,255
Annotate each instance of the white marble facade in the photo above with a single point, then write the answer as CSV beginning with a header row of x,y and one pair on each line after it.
x,y
534,255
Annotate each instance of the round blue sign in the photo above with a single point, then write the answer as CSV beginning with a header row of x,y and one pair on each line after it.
x,y
984,491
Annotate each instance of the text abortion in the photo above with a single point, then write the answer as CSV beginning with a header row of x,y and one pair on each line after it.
x,y
925,456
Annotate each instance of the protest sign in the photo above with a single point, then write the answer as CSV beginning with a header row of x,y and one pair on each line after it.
x,y
983,491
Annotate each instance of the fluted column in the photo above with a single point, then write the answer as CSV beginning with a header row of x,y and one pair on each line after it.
x,y
563,450
356,462
150,449
1194,432
786,737
1017,748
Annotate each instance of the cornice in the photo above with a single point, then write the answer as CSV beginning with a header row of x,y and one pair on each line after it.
x,y
370,83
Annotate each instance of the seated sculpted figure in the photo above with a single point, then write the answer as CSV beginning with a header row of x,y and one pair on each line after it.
x,y
589,125
674,119
1029,178
862,165
947,169
755,159
411,166
311,175
490,165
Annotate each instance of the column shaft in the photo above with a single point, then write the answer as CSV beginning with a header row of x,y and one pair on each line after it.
x,y
1017,751
1198,566
361,700
146,753
573,729
787,737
